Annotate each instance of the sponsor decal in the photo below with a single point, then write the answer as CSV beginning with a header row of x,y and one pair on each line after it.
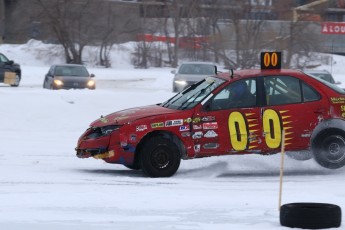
x,y
120,118
196,148
196,119
129,111
209,118
157,125
211,146
174,123
197,126
103,119
188,120
210,125
185,134
197,135
141,128
184,128
133,137
210,134
338,100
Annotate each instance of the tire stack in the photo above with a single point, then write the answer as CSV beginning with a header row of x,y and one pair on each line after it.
x,y
310,215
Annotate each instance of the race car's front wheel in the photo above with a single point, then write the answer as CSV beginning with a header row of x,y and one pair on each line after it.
x,y
159,157
330,151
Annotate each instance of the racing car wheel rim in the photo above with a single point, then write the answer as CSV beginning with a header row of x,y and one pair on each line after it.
x,y
334,149
160,158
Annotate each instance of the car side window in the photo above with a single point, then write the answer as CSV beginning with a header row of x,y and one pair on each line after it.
x,y
239,94
282,90
309,94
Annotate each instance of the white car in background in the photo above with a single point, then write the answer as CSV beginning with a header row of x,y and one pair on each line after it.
x,y
323,74
191,72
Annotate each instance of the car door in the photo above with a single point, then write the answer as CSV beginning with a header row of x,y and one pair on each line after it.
x,y
229,123
3,61
293,106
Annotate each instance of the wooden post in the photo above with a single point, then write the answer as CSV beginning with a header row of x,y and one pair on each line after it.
x,y
281,168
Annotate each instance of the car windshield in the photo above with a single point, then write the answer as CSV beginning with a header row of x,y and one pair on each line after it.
x,y
201,69
191,96
333,86
3,58
71,71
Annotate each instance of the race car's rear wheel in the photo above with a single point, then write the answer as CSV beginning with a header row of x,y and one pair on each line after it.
x,y
159,157
330,151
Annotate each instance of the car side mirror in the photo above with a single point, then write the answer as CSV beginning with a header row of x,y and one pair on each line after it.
x,y
92,75
338,83
10,62
173,71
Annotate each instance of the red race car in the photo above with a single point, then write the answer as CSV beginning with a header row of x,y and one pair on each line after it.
x,y
244,112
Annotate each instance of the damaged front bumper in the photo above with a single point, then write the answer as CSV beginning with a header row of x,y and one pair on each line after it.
x,y
95,143
106,143
98,153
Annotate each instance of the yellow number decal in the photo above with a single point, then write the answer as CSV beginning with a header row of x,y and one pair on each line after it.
x,y
272,128
274,59
267,59
271,60
238,131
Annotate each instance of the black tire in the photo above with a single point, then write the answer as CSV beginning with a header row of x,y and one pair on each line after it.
x,y
310,215
329,151
134,166
300,155
159,157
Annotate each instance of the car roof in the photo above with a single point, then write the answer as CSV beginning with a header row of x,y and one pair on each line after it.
x,y
198,62
257,72
68,65
315,71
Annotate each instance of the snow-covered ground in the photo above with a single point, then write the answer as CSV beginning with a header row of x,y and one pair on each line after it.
x,y
44,186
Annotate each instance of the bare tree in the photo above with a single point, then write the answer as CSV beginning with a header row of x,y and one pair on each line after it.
x,y
116,21
72,23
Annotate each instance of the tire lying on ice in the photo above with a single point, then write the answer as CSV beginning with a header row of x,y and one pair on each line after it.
x,y
310,215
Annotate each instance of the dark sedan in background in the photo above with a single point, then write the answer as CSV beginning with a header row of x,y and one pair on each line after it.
x,y
10,72
69,76
190,73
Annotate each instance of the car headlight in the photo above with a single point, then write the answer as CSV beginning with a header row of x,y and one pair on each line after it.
x,y
181,82
58,82
91,83
96,132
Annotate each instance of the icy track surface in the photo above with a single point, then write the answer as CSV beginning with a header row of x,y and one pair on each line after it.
x,y
44,186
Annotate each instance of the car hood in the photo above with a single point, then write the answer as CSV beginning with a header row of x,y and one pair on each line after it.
x,y
72,78
129,115
191,77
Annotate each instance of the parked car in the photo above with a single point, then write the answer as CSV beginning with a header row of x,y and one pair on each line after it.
x,y
69,76
189,73
323,74
10,72
242,112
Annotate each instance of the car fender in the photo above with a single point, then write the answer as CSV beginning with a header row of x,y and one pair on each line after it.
x,y
327,125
